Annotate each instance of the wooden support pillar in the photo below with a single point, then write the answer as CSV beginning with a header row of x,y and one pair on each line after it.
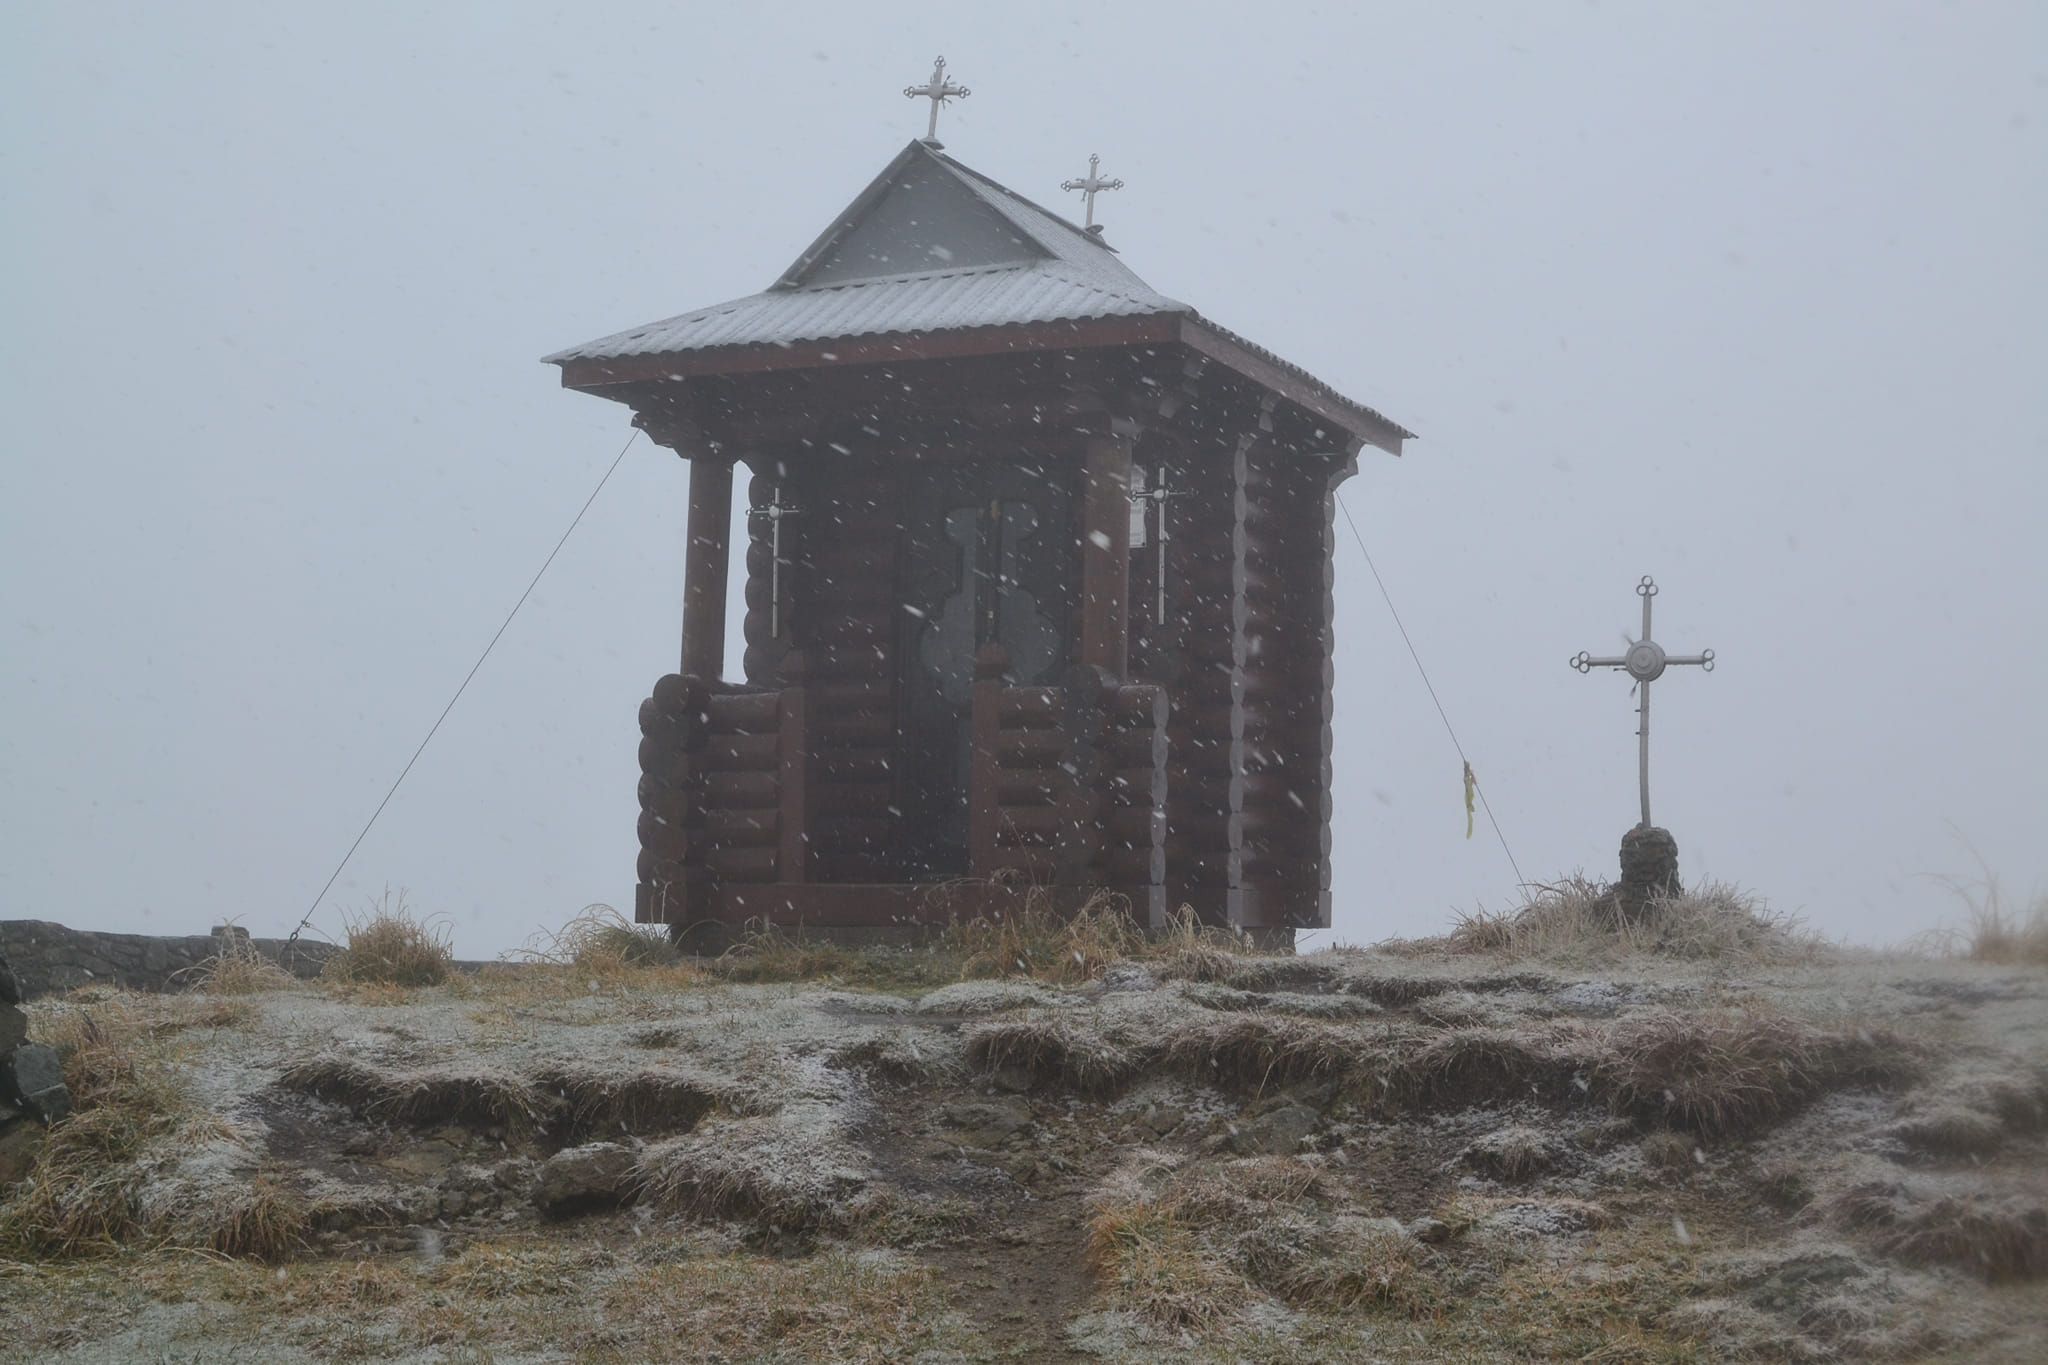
x,y
1106,550
704,568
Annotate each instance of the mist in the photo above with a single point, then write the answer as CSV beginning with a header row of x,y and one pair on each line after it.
x,y
1747,297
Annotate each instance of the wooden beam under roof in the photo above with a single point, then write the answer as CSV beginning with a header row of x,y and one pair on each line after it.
x,y
603,377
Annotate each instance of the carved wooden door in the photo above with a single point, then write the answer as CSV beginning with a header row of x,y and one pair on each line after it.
x,y
988,559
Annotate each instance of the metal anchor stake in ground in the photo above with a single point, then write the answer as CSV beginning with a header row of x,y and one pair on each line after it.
x,y
1645,662
774,510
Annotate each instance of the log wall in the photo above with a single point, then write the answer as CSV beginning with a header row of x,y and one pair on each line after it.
x,y
846,625
1069,782
711,789
1286,682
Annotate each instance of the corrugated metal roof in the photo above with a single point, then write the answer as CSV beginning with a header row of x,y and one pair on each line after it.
x,y
1078,277
917,303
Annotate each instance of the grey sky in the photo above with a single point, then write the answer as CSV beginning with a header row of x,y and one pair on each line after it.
x,y
1749,297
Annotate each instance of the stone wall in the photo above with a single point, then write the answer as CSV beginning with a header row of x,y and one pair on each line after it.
x,y
31,1081
49,958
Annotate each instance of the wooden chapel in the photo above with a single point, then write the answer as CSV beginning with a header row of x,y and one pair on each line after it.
x,y
1037,583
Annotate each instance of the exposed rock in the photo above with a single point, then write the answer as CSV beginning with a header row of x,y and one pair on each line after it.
x,y
1279,1131
1649,871
1162,1118
1430,1231
990,1122
13,1027
1014,1080
32,1076
10,985
49,957
599,1175
468,1190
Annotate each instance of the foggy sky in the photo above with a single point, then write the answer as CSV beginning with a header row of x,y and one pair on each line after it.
x,y
1749,297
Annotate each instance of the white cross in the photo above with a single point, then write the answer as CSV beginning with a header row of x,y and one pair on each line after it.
x,y
1157,495
1091,185
775,510
1645,662
938,90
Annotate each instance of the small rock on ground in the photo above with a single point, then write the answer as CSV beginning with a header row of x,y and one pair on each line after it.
x,y
597,1175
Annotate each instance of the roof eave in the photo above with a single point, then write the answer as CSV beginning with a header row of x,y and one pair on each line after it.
x,y
603,376
1311,395
596,375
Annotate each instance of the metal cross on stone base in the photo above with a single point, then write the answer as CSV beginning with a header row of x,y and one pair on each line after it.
x,y
1645,662
1649,856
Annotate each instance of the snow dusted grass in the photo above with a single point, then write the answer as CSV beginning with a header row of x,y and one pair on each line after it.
x,y
1574,920
388,945
1184,1151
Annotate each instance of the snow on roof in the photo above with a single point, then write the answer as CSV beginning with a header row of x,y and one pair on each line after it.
x,y
1008,262
930,245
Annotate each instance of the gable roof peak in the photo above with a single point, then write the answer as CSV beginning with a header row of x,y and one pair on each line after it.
x,y
928,212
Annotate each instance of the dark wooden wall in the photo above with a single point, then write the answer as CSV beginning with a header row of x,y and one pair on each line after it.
x,y
1237,817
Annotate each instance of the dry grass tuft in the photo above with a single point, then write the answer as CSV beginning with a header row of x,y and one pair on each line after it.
x,y
261,1220
766,953
1152,1260
1194,951
90,1189
389,946
1996,936
1727,1073
1994,930
1351,1265
476,1096
1951,1130
644,1102
1038,941
1253,1051
1998,1240
604,946
1485,1065
237,968
1575,919
1192,1247
1052,1050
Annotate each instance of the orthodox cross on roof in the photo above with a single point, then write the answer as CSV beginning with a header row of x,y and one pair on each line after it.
x,y
1090,185
938,90
1645,662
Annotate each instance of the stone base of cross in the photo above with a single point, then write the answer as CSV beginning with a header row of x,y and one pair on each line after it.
x,y
1649,855
1649,872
